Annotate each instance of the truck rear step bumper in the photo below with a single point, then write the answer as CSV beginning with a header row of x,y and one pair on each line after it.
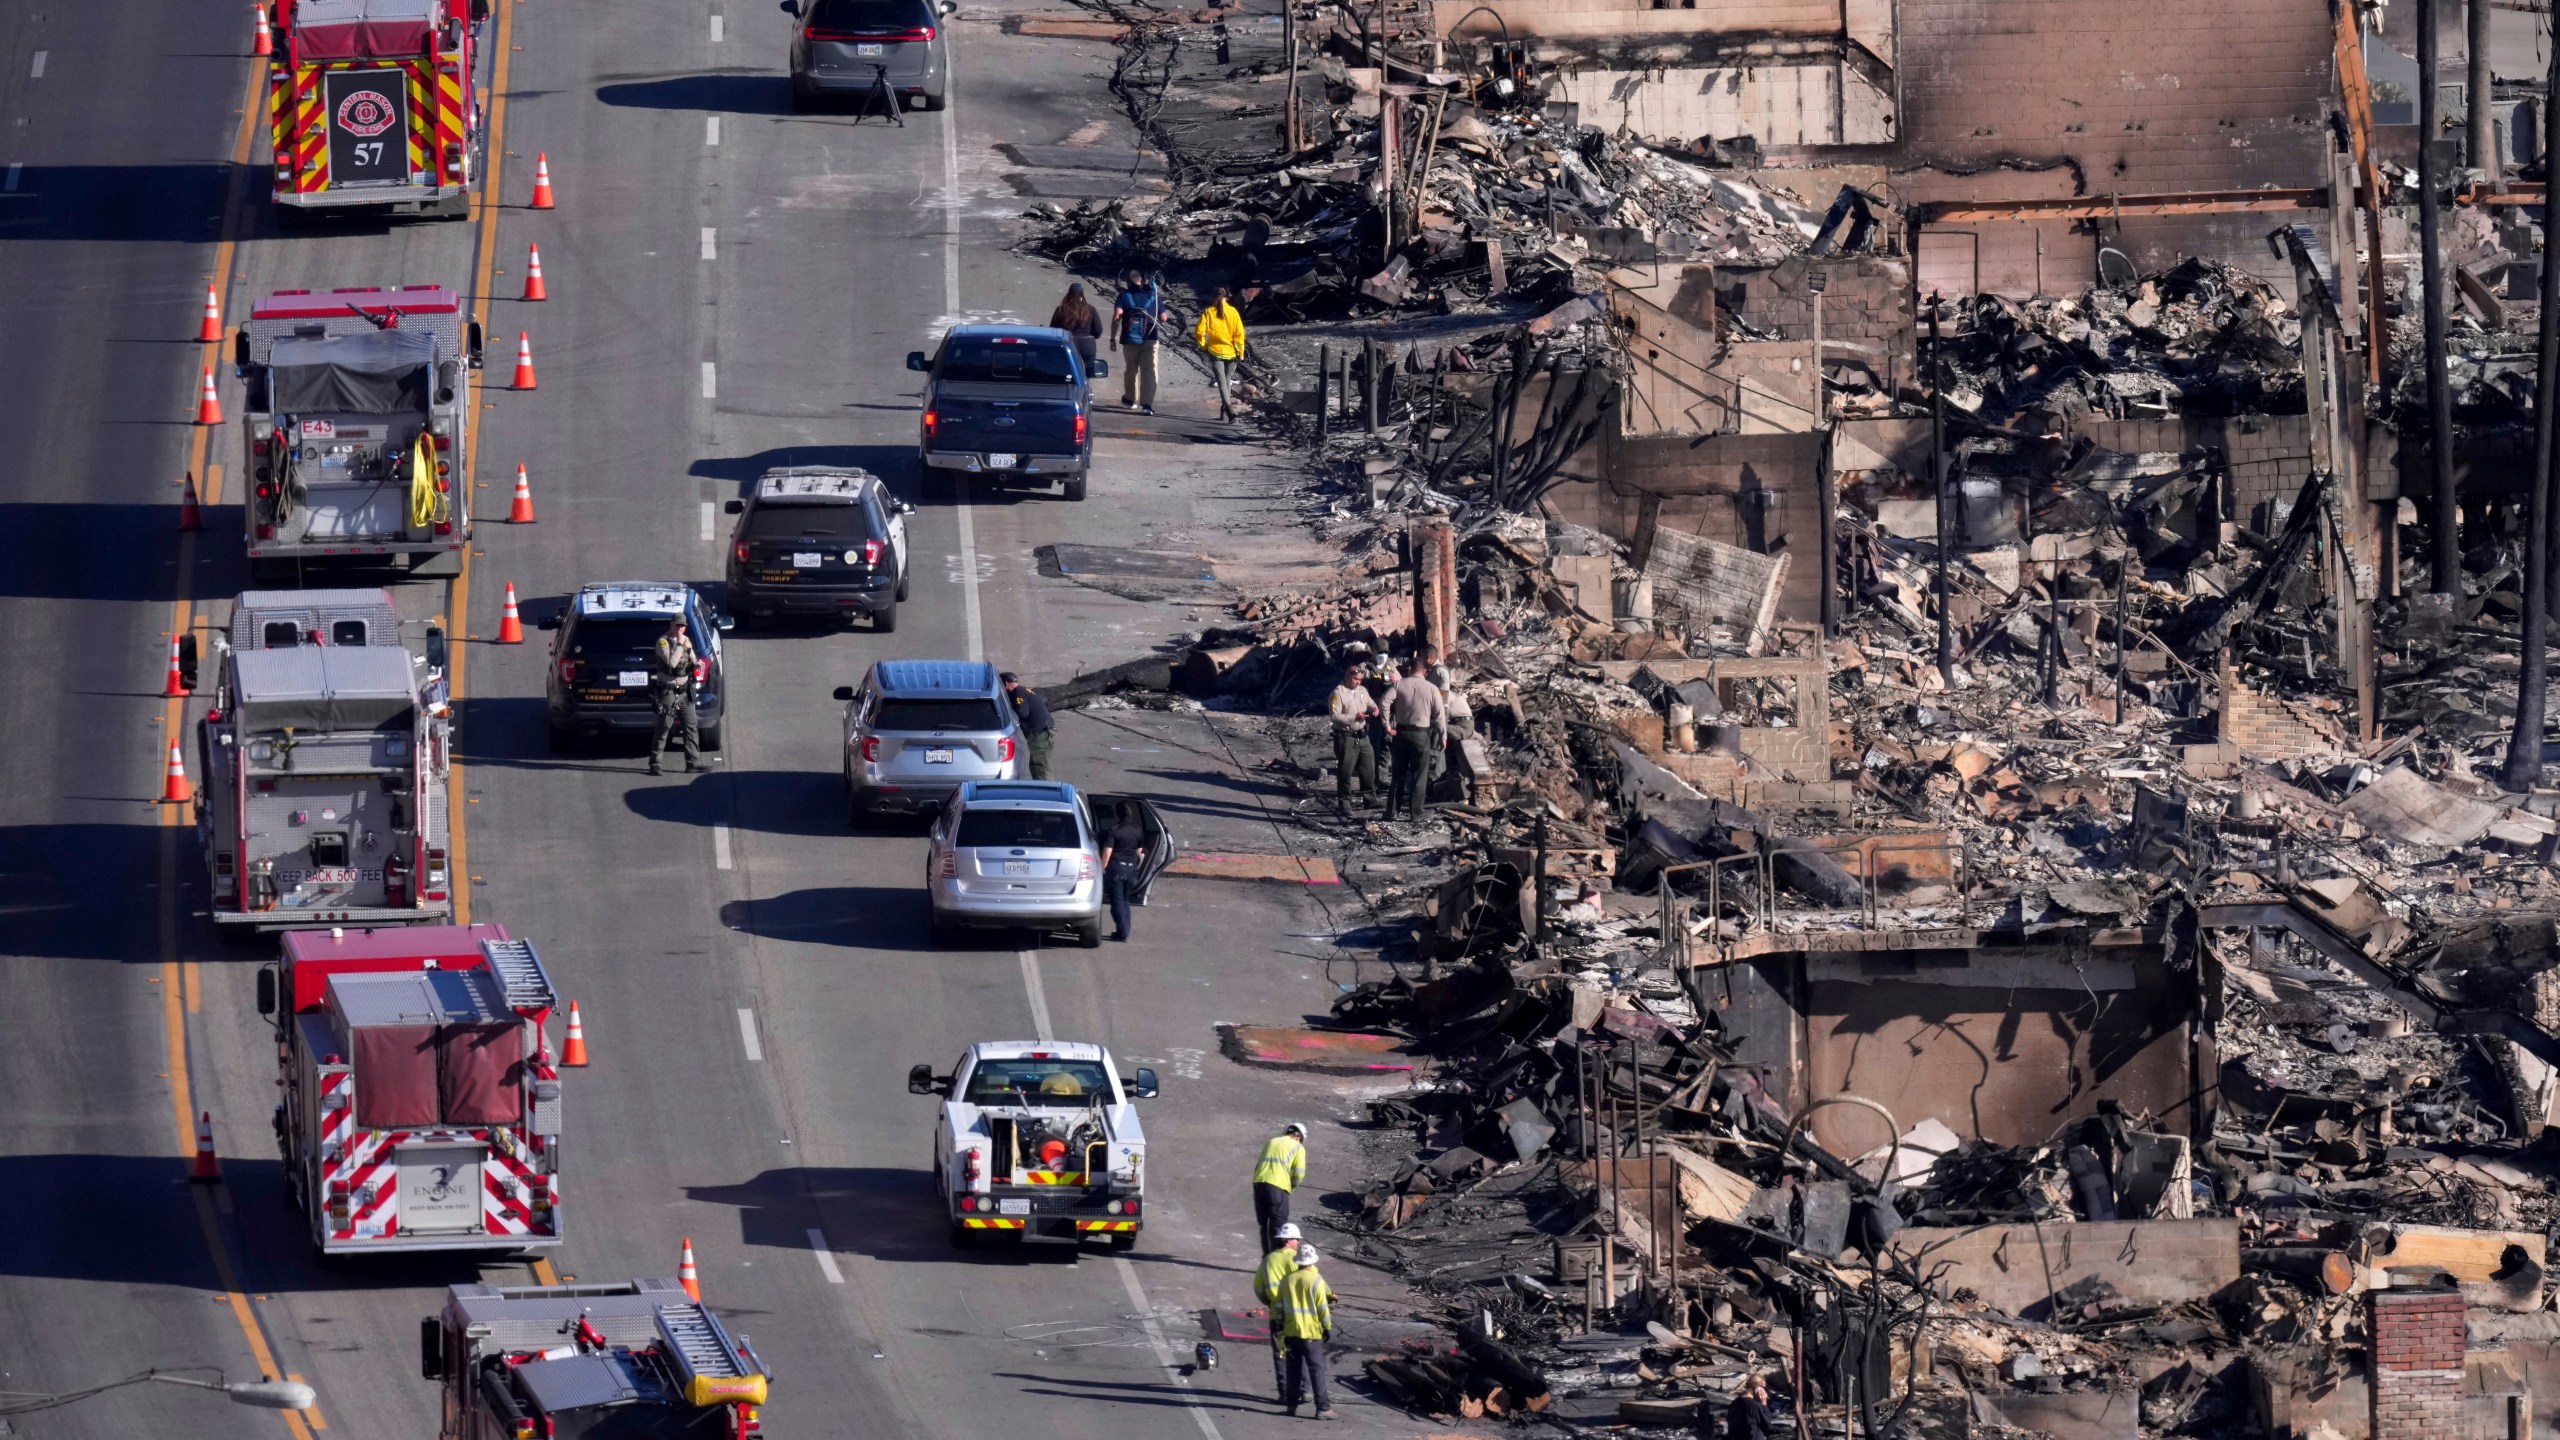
x,y
413,1243
975,463
316,918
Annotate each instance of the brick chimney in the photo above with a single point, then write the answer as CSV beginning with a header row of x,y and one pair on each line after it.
x,y
2417,1335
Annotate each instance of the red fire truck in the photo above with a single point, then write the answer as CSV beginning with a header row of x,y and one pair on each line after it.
x,y
421,1108
375,103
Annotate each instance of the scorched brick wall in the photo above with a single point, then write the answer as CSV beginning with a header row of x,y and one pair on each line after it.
x,y
2417,1364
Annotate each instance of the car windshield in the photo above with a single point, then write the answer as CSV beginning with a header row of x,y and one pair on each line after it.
x,y
617,637
953,714
790,522
1028,829
994,361
871,17
1039,1082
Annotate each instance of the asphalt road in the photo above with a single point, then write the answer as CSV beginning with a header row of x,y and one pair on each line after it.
x,y
731,286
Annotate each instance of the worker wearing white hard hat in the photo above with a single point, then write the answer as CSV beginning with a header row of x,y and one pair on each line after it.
x,y
1282,1168
1274,1272
1304,1321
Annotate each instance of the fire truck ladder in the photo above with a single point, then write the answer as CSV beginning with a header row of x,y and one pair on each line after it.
x,y
520,974
699,1345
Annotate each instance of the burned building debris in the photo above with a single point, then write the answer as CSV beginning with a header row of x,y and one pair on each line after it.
x,y
1981,876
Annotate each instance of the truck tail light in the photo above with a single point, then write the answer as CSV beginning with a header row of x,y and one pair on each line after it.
x,y
931,420
701,671
870,749
568,672
1079,427
1084,867
870,552
1004,748
740,550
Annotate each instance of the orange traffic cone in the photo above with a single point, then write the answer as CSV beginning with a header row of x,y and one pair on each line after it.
x,y
177,683
573,1051
524,366
190,509
533,289
209,405
175,790
511,632
541,181
210,332
686,1275
521,513
266,44
208,1169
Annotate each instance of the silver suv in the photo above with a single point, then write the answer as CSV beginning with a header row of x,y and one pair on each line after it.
x,y
917,730
1027,854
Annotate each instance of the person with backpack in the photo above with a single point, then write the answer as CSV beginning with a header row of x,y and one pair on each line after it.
x,y
1137,322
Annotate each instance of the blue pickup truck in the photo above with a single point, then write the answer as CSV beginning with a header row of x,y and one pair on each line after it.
x,y
1008,401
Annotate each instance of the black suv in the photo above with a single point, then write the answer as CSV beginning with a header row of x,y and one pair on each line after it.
x,y
605,640
819,540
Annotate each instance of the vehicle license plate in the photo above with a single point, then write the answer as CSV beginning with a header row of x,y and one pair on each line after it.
x,y
869,48
1003,462
807,559
1013,1207
937,757
1017,867
632,679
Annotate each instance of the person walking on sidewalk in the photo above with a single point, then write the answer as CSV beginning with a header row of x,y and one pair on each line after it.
x,y
1268,1279
1039,731
1221,334
1122,853
1353,709
1075,315
1137,323
1282,1168
1304,1318
1415,718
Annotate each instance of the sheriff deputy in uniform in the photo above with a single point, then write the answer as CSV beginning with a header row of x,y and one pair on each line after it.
x,y
1267,1282
1304,1318
1418,722
1283,1168
1039,731
671,690
1353,710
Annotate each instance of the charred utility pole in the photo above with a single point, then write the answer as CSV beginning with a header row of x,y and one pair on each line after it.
x,y
1938,484
2448,505
2524,746
2484,114
1289,106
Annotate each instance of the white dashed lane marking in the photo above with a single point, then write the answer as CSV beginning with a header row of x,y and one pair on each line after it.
x,y
826,1256
747,1032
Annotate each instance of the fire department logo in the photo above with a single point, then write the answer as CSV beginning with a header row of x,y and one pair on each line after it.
x,y
366,114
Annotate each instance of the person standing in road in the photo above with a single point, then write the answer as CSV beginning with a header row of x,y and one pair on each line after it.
x,y
1075,315
1415,717
1268,1279
1353,709
1282,1168
1305,1322
671,690
1122,853
1038,730
1221,334
1137,322
1747,1418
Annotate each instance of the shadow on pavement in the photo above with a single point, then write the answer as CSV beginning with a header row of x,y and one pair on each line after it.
x,y
727,92
164,204
1147,1392
772,802
900,1221
67,891
895,464
866,917
103,552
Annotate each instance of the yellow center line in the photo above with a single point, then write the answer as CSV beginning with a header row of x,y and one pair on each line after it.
x,y
458,600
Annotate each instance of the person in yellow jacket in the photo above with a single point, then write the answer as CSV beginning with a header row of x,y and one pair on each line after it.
x,y
1304,1319
1274,1273
1220,333
1282,1167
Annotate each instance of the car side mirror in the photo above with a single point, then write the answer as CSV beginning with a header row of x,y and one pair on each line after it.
x,y
431,1348
947,7
1101,367
906,507
439,649
844,692
724,622
267,990
735,507
790,7
920,1081
187,662
473,345
1144,1087
547,622
916,360
240,349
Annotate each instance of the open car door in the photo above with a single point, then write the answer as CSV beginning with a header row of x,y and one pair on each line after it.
x,y
1102,812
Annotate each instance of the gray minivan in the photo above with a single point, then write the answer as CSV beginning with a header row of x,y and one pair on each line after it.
x,y
917,730
840,48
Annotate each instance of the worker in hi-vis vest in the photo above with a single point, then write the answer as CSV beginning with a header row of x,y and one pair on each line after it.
x,y
1282,1169
1277,1266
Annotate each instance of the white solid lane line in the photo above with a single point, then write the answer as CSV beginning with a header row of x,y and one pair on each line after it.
x,y
747,1031
710,129
1039,996
710,243
826,1256
710,381
720,846
1165,1355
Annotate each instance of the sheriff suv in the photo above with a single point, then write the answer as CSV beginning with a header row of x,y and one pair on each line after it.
x,y
818,540
602,645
